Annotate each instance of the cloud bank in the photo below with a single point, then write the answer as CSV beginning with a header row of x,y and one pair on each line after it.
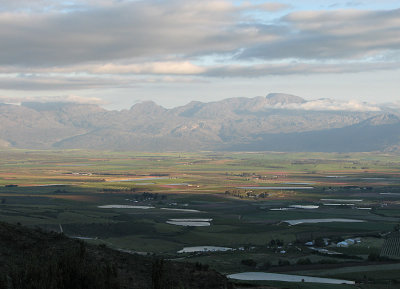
x,y
156,31
62,98
327,105
95,44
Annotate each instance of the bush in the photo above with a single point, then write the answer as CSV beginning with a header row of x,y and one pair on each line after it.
x,y
265,266
249,262
283,262
319,242
374,257
277,242
327,261
304,261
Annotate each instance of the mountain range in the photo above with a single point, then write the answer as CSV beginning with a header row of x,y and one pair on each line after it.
x,y
277,122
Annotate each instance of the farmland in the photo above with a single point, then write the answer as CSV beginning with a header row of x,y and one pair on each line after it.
x,y
160,203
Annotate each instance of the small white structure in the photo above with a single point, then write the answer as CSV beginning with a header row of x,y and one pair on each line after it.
x,y
342,244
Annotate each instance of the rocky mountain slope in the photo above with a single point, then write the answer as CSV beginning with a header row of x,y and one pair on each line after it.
x,y
275,122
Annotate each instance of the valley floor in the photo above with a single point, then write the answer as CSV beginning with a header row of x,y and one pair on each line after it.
x,y
309,214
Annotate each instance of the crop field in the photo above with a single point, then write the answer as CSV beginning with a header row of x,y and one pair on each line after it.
x,y
264,206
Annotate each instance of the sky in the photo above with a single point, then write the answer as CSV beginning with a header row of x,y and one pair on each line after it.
x,y
116,53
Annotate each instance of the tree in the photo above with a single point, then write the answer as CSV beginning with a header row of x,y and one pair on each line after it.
x,y
373,257
319,242
249,262
304,261
283,262
157,274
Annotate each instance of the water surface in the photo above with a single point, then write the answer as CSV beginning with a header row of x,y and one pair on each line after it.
x,y
261,276
204,249
276,188
314,221
124,207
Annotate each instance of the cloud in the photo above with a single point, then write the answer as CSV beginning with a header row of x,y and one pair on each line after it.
x,y
157,67
46,6
295,67
61,98
168,67
66,82
59,83
75,99
266,6
76,43
164,67
126,31
97,76
339,34
327,105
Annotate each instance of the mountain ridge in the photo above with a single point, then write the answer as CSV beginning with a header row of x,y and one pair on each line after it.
x,y
259,123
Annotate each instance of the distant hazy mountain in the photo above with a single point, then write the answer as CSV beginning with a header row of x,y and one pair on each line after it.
x,y
282,98
280,122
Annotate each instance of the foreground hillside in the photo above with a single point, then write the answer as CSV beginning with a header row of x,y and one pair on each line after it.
x,y
36,259
275,122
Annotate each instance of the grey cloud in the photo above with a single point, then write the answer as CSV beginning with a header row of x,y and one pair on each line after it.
x,y
296,68
59,83
172,37
109,74
271,6
112,74
59,98
130,30
45,6
62,82
333,35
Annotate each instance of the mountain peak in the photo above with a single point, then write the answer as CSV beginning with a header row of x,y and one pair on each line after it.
x,y
147,107
283,98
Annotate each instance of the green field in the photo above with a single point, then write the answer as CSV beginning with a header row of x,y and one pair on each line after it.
x,y
62,190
